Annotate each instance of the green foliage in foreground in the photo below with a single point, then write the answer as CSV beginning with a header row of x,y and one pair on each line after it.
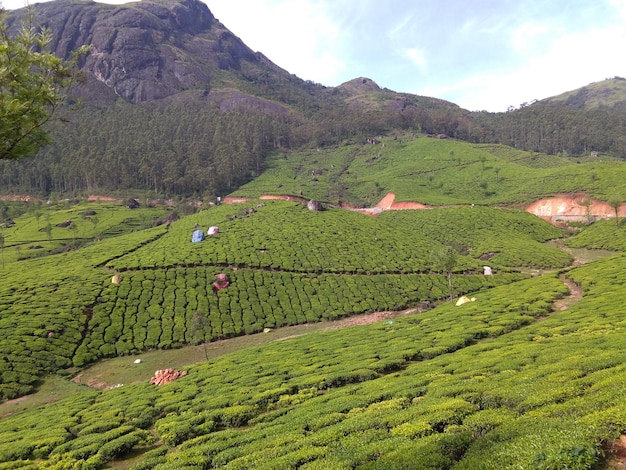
x,y
480,386
33,81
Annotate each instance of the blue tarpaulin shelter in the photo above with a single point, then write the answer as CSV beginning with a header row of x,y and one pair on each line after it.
x,y
198,236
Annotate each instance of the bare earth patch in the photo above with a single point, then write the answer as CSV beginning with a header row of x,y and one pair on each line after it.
x,y
617,455
365,319
576,293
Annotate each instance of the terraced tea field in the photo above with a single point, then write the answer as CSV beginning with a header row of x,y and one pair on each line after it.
x,y
481,385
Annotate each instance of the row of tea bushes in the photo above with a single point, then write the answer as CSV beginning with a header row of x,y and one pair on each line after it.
x,y
160,308
69,314
46,230
73,316
546,395
40,326
45,306
286,236
601,235
507,237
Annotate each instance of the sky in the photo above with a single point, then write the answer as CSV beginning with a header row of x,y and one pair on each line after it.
x,y
480,54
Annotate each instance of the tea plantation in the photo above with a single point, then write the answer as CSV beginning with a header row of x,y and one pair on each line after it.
x,y
433,171
505,381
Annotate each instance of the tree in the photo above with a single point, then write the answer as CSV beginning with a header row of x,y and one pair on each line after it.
x,y
616,202
32,86
586,202
199,322
445,260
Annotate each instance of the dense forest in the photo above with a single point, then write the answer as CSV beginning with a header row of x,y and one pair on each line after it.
x,y
556,129
201,151
192,150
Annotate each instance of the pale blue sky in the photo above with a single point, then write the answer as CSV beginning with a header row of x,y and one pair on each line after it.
x,y
479,54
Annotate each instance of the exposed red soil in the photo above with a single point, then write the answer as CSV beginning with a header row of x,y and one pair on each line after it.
x,y
617,454
556,209
164,376
388,203
572,207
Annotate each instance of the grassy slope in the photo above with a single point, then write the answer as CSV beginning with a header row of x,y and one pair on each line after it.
x,y
432,171
606,93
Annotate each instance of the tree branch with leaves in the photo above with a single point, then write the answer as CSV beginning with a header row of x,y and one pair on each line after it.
x,y
33,83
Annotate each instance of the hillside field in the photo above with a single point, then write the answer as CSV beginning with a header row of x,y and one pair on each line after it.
x,y
506,381
207,262
433,171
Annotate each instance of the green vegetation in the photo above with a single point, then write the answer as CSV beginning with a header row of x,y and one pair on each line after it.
x,y
431,171
480,385
477,386
287,266
526,374
33,82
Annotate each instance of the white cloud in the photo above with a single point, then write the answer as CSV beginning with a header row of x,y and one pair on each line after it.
x,y
416,56
299,36
543,63
530,36
620,7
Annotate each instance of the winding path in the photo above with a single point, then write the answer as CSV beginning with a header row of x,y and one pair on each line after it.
x,y
575,294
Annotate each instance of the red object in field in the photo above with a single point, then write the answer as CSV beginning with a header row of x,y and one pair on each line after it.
x,y
166,375
222,282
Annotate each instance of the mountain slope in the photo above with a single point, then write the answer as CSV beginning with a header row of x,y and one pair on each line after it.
x,y
610,93
149,50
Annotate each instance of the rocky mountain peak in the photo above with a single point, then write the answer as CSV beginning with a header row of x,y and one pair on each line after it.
x,y
360,85
144,50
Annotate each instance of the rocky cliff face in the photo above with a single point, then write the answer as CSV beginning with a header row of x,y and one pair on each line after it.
x,y
145,50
